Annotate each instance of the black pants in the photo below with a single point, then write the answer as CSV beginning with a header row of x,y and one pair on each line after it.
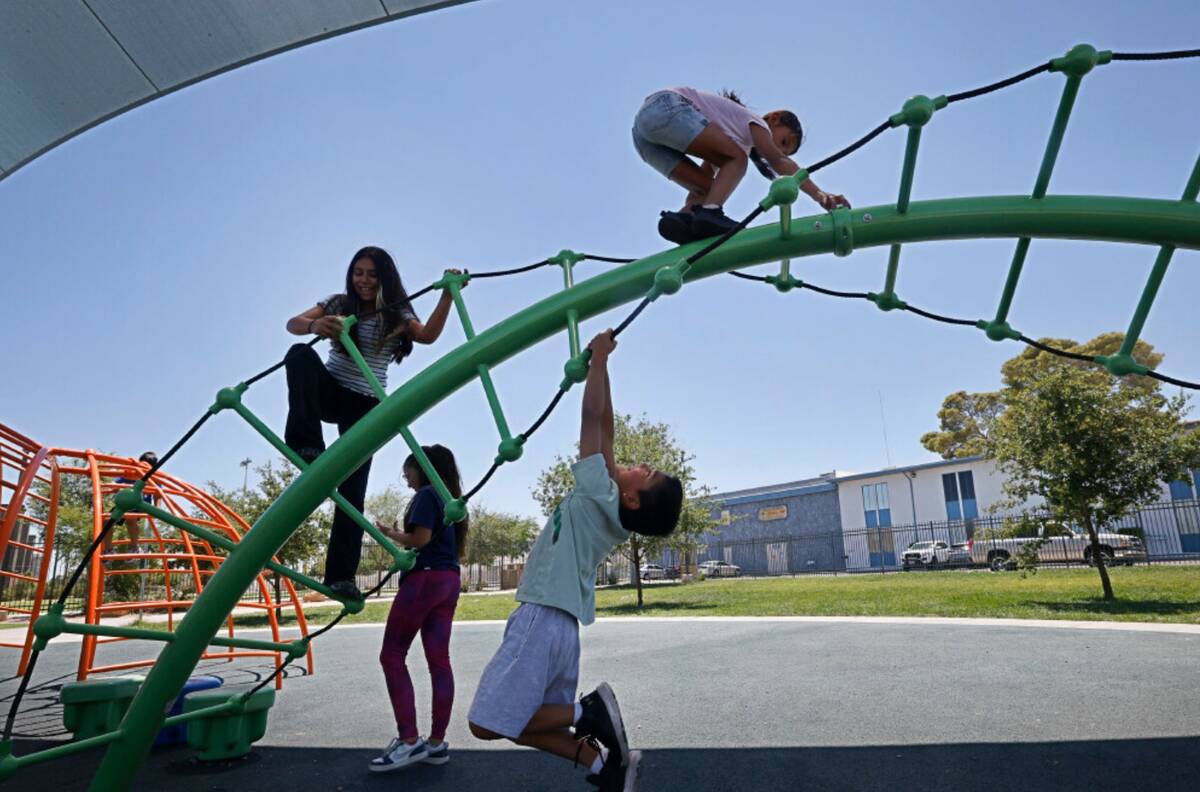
x,y
315,396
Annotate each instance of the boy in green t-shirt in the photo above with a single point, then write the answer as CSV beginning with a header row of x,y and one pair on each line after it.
x,y
527,691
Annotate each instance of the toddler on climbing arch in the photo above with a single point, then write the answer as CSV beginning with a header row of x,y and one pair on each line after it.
x,y
724,135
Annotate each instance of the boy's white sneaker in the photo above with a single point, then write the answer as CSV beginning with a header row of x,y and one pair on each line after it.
x,y
399,754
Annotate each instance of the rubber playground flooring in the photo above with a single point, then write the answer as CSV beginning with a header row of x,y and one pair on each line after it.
x,y
746,705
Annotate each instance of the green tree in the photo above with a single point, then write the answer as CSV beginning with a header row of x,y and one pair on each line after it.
x,y
385,507
635,442
965,420
1094,447
495,534
306,545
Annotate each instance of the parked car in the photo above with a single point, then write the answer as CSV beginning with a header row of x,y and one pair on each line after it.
x,y
1059,543
652,572
720,569
926,554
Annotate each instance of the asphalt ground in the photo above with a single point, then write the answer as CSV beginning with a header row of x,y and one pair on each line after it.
x,y
746,704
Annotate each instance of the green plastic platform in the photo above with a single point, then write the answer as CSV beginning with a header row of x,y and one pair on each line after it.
x,y
227,735
96,706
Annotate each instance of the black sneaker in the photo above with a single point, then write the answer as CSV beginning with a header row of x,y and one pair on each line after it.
x,y
345,589
711,222
615,778
309,454
601,719
675,227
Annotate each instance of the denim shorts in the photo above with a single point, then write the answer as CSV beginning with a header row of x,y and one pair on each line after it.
x,y
664,128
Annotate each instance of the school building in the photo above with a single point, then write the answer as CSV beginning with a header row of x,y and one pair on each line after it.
x,y
842,521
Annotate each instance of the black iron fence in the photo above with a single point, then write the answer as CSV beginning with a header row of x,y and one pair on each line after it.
x,y
1163,533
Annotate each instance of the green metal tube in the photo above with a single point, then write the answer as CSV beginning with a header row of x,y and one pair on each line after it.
x,y
910,166
1157,273
1010,283
422,460
1133,220
212,537
489,389
1065,105
357,357
889,283
66,749
277,443
143,634
785,220
461,307
573,331
184,717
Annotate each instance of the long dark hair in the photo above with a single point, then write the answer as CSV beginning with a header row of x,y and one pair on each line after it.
x,y
392,299
442,459
785,117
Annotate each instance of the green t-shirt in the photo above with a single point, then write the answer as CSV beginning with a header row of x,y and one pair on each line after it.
x,y
585,527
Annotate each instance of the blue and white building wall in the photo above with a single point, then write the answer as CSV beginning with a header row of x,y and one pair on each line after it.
x,y
779,529
935,500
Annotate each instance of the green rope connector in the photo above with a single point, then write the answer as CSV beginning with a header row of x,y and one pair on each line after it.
x,y
456,511
668,280
784,190
784,283
1121,364
8,762
49,626
566,258
510,449
917,111
576,369
128,500
404,561
887,301
1080,60
843,232
228,398
448,278
998,330
299,648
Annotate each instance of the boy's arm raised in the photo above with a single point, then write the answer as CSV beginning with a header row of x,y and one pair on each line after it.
x,y
596,421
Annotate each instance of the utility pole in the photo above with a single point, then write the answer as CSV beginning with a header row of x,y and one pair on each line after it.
x,y
245,463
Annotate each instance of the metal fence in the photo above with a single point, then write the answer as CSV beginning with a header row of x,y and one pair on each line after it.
x,y
1167,532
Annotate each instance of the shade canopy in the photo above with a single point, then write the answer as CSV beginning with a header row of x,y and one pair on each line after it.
x,y
68,65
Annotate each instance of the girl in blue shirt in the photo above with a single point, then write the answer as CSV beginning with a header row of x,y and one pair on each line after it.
x,y
425,604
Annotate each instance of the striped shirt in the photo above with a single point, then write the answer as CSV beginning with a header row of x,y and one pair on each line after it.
x,y
343,368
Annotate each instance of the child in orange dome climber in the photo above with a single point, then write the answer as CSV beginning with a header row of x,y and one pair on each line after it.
x,y
527,691
724,135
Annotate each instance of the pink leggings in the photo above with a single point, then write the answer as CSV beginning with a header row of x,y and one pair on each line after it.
x,y
425,603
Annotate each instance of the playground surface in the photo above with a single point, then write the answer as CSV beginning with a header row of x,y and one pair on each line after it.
x,y
747,704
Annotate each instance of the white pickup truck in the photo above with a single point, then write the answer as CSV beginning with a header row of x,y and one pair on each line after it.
x,y
1059,544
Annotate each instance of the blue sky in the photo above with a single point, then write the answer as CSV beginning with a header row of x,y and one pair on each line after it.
x,y
154,259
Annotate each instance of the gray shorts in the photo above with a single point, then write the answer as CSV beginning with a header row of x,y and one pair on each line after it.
x,y
664,128
537,663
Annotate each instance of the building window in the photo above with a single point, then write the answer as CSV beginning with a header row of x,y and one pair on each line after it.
x,y
959,489
876,506
724,519
1182,489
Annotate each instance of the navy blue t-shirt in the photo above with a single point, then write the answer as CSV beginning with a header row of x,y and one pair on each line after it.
x,y
427,511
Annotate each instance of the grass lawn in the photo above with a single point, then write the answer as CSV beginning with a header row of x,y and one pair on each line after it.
x,y
1161,594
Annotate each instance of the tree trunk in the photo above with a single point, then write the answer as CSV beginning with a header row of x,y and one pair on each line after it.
x,y
637,568
1098,559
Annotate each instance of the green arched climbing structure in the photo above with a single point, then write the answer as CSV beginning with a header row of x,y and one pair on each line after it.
x,y
1165,224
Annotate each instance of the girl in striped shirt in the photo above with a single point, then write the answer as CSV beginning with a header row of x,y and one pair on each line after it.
x,y
335,391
